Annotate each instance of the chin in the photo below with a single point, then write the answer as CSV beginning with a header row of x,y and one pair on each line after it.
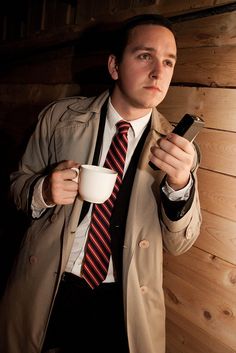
x,y
146,102
152,104
157,102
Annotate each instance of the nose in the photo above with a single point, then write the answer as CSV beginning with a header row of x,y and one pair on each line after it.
x,y
156,70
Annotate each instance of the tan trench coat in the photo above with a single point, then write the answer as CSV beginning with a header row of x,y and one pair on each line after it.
x,y
67,130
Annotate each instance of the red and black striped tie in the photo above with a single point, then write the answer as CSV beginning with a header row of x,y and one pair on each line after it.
x,y
98,249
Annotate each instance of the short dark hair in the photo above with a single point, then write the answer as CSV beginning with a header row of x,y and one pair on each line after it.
x,y
121,36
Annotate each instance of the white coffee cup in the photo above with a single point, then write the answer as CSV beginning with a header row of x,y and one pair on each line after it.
x,y
95,183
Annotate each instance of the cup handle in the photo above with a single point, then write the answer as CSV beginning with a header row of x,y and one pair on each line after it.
x,y
76,179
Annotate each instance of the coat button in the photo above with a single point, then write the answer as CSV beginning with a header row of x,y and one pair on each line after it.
x,y
53,218
189,233
33,259
144,244
144,289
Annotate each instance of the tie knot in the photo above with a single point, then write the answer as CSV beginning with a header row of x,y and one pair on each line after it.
x,y
123,127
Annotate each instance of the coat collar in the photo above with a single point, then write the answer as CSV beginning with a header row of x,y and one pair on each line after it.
x,y
92,105
79,111
160,125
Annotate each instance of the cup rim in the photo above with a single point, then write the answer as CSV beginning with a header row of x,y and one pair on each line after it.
x,y
98,168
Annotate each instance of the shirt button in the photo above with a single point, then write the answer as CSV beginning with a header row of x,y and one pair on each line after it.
x,y
144,289
144,244
189,233
33,259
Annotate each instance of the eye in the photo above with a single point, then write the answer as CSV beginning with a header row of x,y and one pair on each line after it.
x,y
169,63
145,56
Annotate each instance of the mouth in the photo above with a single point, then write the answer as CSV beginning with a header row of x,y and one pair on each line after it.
x,y
153,88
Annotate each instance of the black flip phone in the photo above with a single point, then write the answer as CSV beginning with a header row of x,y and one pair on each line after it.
x,y
188,127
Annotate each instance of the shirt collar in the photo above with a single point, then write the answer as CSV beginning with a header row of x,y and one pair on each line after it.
x,y
137,125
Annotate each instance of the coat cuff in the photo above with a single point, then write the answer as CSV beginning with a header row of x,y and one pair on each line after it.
x,y
175,210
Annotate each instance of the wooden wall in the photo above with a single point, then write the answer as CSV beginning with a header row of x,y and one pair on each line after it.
x,y
200,285
52,60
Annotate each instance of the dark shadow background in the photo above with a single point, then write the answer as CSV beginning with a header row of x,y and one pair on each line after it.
x,y
13,223
91,51
17,121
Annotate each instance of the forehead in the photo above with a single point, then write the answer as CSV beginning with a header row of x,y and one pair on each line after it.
x,y
153,36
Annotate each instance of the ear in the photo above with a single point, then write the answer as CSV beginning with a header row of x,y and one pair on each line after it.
x,y
113,67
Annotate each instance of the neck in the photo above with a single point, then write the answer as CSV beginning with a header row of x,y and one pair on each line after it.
x,y
127,111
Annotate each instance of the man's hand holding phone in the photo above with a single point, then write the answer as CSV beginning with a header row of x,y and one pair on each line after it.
x,y
174,154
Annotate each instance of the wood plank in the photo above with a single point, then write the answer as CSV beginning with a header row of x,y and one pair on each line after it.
x,y
218,237
183,335
205,272
58,71
62,8
84,13
217,193
171,7
50,15
70,14
35,15
84,19
32,94
203,307
209,103
58,66
98,10
206,66
218,30
54,66
166,8
218,151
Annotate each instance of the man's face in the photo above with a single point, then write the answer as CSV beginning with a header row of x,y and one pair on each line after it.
x,y
143,76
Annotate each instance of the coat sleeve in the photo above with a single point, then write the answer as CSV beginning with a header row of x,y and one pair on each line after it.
x,y
35,161
181,232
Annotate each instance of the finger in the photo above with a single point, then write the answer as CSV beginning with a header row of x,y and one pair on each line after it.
x,y
168,152
61,182
163,165
67,165
64,194
164,160
76,178
181,142
182,152
177,168
64,175
177,172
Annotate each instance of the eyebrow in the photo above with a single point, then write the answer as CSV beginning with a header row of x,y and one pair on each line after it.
x,y
151,49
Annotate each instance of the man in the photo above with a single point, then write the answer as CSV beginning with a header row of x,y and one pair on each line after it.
x,y
51,302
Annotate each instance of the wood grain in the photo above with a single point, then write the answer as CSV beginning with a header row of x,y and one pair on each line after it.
x,y
185,336
207,66
212,31
204,307
218,237
217,106
85,13
206,272
217,194
218,151
167,8
182,6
